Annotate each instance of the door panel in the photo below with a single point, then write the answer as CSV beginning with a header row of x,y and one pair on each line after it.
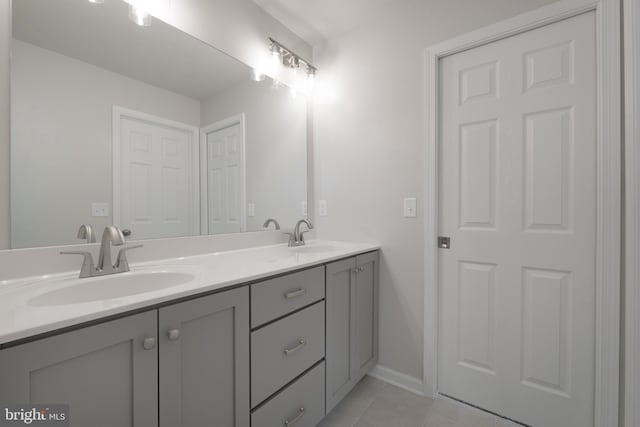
x,y
102,372
225,182
518,199
158,192
204,368
340,329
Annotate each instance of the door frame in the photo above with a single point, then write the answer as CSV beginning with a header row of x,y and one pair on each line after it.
x,y
608,187
632,213
238,119
118,114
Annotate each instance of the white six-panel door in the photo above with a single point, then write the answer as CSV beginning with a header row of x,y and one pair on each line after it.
x,y
518,200
157,192
224,189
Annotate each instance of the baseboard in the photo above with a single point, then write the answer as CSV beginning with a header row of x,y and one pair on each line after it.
x,y
398,379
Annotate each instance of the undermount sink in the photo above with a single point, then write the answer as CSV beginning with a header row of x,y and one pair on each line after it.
x,y
110,287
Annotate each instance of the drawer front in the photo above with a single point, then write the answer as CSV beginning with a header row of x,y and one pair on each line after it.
x,y
284,349
276,297
301,404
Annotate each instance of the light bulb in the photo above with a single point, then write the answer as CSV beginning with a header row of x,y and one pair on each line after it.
x,y
311,80
139,16
257,75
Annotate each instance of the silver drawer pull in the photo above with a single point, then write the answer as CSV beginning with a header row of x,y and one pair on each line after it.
x,y
290,351
296,293
292,421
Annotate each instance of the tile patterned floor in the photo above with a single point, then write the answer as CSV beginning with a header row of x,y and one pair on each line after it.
x,y
373,403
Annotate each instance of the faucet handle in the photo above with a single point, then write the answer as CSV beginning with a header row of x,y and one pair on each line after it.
x,y
292,237
122,264
87,263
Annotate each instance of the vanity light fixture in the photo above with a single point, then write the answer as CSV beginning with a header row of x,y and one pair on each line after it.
x,y
139,16
291,60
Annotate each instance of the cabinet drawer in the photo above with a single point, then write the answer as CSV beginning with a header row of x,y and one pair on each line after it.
x,y
301,404
276,297
284,349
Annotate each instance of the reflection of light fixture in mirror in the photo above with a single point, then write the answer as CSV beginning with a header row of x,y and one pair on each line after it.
x,y
292,61
311,77
256,75
96,1
139,16
274,49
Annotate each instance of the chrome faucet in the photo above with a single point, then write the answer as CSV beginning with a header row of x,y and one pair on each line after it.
x,y
111,236
85,232
269,221
297,237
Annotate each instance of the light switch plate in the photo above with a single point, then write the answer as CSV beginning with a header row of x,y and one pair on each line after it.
x,y
410,207
99,209
322,207
303,208
251,209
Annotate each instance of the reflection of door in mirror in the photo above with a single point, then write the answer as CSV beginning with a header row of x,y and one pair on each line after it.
x,y
223,180
155,176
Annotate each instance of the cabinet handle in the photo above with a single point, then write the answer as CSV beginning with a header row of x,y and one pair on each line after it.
x,y
291,350
173,334
296,293
292,421
149,343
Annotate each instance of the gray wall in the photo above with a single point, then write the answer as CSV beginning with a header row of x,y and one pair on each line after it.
x,y
368,148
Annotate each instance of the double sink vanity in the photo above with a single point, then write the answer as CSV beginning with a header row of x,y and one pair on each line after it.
x,y
267,336
135,125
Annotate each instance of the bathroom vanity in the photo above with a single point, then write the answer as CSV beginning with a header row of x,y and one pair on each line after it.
x,y
277,343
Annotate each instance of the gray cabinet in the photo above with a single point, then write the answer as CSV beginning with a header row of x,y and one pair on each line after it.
x,y
351,323
103,372
204,361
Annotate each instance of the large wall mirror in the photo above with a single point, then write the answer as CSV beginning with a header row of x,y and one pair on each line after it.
x,y
144,127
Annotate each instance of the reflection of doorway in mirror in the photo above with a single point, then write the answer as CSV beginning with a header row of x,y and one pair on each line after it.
x,y
223,176
155,188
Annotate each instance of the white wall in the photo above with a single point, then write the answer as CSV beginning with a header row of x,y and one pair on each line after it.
x,y
276,150
630,372
61,133
368,148
5,37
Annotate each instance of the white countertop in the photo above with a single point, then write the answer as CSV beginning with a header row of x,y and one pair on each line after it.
x,y
21,317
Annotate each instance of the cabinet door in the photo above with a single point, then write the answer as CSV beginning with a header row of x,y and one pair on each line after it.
x,y
340,328
366,313
204,361
102,372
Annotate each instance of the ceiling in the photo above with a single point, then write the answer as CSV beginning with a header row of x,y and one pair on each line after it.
x,y
316,21
102,35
